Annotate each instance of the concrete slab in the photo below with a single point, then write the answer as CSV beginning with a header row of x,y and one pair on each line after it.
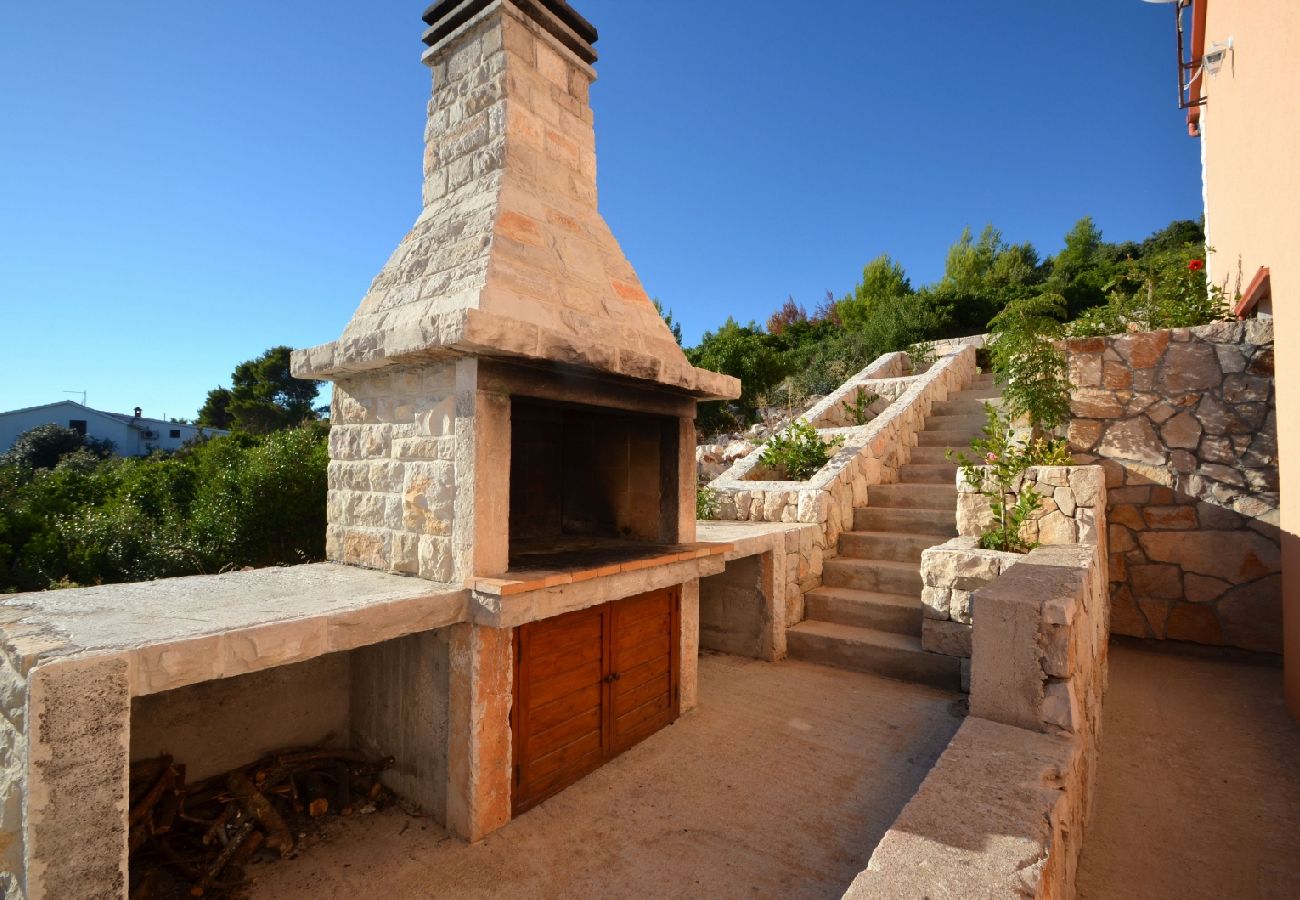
x,y
780,785
122,616
181,631
1198,794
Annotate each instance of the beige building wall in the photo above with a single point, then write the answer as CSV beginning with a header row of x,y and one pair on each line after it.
x,y
1250,130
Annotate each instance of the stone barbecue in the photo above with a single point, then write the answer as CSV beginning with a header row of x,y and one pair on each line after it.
x,y
512,591
512,415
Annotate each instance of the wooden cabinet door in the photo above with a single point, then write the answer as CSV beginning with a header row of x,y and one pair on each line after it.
x,y
588,685
643,667
559,714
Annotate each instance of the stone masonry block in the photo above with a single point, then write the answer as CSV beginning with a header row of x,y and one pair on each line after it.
x,y
77,794
947,638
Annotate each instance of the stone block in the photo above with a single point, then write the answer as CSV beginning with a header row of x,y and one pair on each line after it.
x,y
1133,439
1233,556
1143,350
946,638
934,602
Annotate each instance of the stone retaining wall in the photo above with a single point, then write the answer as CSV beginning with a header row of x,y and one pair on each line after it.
x,y
1002,814
1184,422
13,766
1073,511
872,454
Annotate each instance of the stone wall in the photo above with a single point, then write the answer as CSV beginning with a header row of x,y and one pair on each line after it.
x,y
13,768
1002,814
392,471
1073,511
1185,424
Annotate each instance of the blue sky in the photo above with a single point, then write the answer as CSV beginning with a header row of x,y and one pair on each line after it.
x,y
184,185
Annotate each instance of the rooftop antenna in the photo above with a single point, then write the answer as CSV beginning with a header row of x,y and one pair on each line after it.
x,y
82,393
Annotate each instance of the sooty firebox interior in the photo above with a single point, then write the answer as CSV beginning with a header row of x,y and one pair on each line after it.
x,y
589,484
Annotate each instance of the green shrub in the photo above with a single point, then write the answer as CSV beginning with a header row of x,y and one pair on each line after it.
x,y
859,408
1165,289
1000,460
797,451
1029,364
225,503
707,504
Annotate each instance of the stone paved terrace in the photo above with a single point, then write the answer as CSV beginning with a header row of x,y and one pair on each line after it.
x,y
1198,793
779,785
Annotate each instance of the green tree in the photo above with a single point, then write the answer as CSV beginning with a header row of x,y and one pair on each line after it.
x,y
742,351
673,326
263,397
1081,271
883,281
215,412
43,446
981,276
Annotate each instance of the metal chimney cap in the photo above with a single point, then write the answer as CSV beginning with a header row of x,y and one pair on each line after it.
x,y
557,17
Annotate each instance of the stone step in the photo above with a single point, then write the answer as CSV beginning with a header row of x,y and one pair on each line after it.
x,y
895,613
930,456
894,546
969,422
941,523
885,576
945,438
915,496
928,473
869,650
981,393
961,406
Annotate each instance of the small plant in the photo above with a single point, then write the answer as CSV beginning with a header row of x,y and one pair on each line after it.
x,y
707,503
1028,362
922,355
859,408
1001,459
798,451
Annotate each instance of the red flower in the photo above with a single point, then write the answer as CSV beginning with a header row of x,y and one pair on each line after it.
x,y
1195,265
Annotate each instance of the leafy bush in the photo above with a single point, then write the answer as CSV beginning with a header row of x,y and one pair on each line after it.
x,y
1165,289
797,451
707,503
1029,363
226,503
1001,458
859,408
43,446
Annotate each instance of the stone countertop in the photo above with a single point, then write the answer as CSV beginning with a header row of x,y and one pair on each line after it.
x,y
749,538
181,630
590,566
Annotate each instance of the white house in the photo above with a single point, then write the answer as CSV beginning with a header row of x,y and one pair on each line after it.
x,y
132,435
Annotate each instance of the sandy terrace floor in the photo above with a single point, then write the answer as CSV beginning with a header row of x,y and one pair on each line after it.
x,y
780,785
1198,789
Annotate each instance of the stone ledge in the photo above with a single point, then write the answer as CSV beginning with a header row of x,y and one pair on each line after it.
x,y
495,610
988,821
528,580
130,617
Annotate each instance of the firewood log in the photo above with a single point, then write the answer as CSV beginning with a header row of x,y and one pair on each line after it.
x,y
278,836
163,784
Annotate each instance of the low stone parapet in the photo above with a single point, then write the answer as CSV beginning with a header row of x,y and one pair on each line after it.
x,y
1002,814
1073,510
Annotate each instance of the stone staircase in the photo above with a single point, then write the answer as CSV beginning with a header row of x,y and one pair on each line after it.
x,y
867,613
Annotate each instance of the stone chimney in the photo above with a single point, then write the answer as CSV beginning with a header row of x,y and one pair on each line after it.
x,y
510,256
507,340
